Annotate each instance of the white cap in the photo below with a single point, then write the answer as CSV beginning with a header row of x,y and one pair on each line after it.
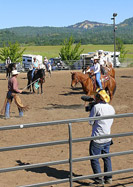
x,y
15,72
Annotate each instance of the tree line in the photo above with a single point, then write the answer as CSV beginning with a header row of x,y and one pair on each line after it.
x,y
41,36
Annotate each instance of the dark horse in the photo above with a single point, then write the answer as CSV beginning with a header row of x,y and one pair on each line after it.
x,y
38,75
9,69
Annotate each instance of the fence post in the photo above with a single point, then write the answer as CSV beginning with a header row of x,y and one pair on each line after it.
x,y
70,152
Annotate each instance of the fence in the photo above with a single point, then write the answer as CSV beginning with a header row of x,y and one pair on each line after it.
x,y
71,179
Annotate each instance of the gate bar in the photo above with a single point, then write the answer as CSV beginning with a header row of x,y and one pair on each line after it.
x,y
79,178
63,161
70,152
11,127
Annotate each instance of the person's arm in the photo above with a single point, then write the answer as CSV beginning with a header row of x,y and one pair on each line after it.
x,y
15,86
92,114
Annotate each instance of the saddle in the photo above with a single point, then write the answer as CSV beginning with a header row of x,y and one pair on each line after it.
x,y
104,78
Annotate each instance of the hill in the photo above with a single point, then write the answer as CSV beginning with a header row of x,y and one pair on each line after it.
x,y
86,32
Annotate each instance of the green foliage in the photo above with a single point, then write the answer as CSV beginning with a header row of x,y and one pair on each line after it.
x,y
120,47
40,36
69,51
13,51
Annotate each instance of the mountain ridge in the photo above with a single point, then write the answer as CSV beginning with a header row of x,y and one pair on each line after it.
x,y
86,32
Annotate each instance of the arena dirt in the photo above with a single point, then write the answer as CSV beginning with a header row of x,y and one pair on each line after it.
x,y
60,102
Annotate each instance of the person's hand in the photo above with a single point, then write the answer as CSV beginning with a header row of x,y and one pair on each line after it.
x,y
20,91
92,73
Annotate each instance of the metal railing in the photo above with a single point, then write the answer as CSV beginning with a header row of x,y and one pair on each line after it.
x,y
71,179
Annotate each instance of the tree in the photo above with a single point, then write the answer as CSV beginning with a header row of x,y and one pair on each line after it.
x,y
13,51
120,47
70,51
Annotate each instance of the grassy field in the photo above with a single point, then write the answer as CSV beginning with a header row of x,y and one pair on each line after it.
x,y
53,51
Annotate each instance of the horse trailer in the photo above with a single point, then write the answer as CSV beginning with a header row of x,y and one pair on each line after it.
x,y
28,60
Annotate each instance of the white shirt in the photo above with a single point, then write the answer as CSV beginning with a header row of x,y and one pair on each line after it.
x,y
101,61
101,127
95,68
8,61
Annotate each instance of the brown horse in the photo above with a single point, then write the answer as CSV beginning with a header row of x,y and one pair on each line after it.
x,y
110,70
89,87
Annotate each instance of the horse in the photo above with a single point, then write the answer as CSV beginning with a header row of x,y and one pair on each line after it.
x,y
89,87
9,69
38,75
110,70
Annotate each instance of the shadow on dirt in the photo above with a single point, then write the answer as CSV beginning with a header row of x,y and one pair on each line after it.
x,y
63,174
72,93
3,79
51,172
126,76
56,106
26,93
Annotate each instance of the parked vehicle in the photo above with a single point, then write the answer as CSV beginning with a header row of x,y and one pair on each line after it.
x,y
57,64
2,67
28,60
117,55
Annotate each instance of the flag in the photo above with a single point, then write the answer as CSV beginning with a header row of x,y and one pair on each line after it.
x,y
36,85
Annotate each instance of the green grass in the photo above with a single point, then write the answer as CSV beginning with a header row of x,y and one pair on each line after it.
x,y
53,51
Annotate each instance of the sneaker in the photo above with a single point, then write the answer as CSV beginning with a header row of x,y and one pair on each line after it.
x,y
108,181
97,183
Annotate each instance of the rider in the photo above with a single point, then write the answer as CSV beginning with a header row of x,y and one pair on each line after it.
x,y
107,60
8,61
101,62
35,66
95,70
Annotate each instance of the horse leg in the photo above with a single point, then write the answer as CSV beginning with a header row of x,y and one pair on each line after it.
x,y
41,89
6,73
38,90
33,88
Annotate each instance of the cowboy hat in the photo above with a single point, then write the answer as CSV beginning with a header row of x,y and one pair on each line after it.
x,y
15,72
95,58
103,95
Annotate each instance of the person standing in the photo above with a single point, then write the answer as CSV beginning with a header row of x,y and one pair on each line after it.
x,y
8,61
101,127
49,68
12,89
45,61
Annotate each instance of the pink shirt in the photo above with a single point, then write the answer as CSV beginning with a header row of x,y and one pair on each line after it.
x,y
13,85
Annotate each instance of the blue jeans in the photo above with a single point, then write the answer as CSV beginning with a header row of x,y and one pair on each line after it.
x,y
98,75
7,110
96,149
32,74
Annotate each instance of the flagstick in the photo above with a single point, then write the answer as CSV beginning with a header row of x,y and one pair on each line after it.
x,y
30,84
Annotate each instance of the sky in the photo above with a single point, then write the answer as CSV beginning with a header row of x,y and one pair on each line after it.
x,y
62,13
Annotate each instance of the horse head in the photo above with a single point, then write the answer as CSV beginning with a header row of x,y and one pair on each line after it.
x,y
75,79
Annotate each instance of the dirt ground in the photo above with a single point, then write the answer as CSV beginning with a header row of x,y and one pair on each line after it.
x,y
60,102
